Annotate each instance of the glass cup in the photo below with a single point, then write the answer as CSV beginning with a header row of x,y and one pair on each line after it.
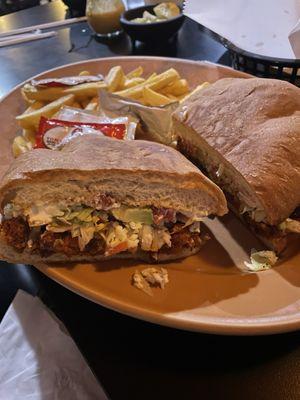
x,y
104,17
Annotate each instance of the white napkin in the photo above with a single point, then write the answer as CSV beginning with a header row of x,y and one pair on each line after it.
x,y
38,361
266,27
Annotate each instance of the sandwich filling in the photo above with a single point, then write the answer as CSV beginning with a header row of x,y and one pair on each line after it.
x,y
81,229
251,214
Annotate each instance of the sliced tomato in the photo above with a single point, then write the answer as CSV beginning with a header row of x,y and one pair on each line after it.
x,y
117,249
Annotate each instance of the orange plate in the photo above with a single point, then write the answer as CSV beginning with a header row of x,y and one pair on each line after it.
x,y
207,292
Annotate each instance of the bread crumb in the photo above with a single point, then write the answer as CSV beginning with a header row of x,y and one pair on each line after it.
x,y
261,260
150,277
140,283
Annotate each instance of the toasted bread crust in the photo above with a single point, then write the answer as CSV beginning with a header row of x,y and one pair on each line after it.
x,y
254,124
91,157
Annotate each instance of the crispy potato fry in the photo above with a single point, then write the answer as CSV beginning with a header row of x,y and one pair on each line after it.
x,y
155,83
172,97
92,105
76,105
153,75
136,73
177,88
20,145
199,87
115,78
27,102
182,97
84,73
85,102
45,94
29,135
153,98
132,82
31,120
81,92
35,105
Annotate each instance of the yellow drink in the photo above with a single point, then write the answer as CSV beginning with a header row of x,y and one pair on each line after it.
x,y
104,15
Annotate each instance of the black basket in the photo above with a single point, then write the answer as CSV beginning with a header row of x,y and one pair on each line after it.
x,y
264,67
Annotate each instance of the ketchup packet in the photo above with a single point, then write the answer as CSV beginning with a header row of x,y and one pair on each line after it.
x,y
55,133
66,81
75,115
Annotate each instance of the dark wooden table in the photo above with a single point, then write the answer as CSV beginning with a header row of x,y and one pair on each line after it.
x,y
133,359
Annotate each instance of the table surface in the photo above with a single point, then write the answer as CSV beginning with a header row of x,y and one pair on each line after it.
x,y
134,359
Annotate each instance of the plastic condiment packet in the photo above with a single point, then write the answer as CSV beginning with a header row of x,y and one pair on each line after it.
x,y
38,359
66,81
155,121
55,133
75,115
265,27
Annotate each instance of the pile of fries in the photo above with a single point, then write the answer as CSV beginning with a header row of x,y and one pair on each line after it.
x,y
155,90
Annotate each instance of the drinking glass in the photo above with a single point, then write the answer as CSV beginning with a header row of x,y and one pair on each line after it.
x,y
104,17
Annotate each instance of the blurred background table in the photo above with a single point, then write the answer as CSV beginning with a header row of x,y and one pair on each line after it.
x,y
134,359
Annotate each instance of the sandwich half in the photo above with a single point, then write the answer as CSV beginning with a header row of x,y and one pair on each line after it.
x,y
245,135
100,198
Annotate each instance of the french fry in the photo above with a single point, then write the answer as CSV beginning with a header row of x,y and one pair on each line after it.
x,y
29,135
177,88
84,90
84,73
199,87
132,82
35,105
115,78
31,120
172,97
155,83
92,105
76,105
153,98
182,97
42,94
153,75
85,102
20,145
136,73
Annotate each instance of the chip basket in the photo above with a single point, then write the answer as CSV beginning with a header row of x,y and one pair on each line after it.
x,y
263,66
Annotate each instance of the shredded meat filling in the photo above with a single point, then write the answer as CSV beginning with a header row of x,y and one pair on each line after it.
x,y
17,234
165,215
16,231
186,239
51,242
102,201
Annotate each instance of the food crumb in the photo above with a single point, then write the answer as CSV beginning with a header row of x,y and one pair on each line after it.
x,y
150,277
261,260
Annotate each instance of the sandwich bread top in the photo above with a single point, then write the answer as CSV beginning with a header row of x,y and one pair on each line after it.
x,y
97,156
255,125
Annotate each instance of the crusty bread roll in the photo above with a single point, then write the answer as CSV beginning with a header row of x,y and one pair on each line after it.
x,y
246,134
133,173
138,172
